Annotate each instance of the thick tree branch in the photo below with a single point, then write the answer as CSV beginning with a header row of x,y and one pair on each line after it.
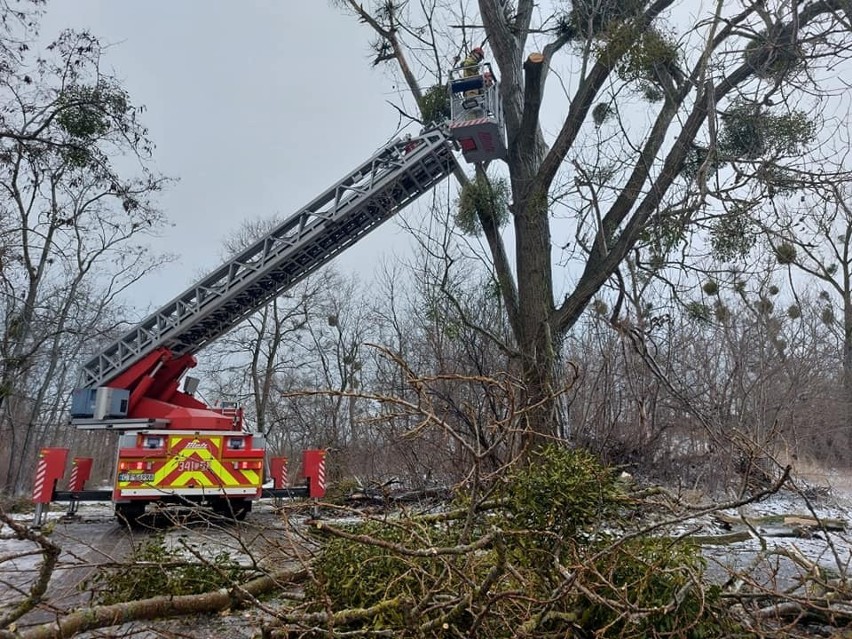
x,y
502,268
158,607
399,549
579,109
50,552
528,133
503,43
390,35
641,170
507,49
600,267
525,136
342,618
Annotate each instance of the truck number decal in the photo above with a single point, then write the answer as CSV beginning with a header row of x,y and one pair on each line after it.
x,y
193,464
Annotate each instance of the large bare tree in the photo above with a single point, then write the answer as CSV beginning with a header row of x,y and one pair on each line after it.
x,y
812,235
666,111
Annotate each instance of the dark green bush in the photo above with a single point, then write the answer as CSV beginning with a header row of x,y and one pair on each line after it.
x,y
553,566
565,493
155,570
360,575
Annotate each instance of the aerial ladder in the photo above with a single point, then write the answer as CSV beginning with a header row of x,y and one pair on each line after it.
x,y
172,446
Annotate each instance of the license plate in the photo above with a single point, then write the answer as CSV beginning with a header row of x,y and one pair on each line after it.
x,y
149,477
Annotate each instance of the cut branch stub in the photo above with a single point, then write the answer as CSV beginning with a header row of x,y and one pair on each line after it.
x,y
525,136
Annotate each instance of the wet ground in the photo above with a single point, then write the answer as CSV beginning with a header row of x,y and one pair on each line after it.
x,y
270,538
95,539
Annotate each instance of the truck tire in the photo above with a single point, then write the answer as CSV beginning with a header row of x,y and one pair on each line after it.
x,y
236,509
130,513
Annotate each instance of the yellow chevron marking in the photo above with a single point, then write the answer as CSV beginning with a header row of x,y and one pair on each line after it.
x,y
174,462
198,477
226,477
252,477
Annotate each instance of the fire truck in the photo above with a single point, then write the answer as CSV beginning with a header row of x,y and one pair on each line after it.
x,y
172,447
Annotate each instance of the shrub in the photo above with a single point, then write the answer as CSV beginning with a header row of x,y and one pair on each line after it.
x,y
360,575
156,570
547,563
566,493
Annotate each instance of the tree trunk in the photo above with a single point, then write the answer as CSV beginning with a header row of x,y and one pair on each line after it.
x,y
535,286
532,231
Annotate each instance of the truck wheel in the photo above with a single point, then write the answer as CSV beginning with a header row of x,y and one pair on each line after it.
x,y
242,507
129,514
232,508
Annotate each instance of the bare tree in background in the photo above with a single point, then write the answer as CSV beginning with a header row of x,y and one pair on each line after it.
x,y
247,364
441,313
812,236
71,238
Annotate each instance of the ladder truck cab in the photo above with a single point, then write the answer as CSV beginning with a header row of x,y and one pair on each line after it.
x,y
476,114
172,446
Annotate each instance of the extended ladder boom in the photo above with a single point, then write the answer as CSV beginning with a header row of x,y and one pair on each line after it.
x,y
390,180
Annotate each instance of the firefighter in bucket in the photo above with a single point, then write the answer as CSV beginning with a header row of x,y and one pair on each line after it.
x,y
471,63
476,119
473,68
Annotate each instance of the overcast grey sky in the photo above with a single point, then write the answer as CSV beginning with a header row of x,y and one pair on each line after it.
x,y
256,106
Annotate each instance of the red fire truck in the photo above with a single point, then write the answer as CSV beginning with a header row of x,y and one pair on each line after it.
x,y
173,447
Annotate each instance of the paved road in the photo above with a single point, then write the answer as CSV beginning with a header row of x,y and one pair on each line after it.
x,y
88,542
96,539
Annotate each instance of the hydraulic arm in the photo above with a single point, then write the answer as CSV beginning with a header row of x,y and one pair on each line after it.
x,y
149,359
